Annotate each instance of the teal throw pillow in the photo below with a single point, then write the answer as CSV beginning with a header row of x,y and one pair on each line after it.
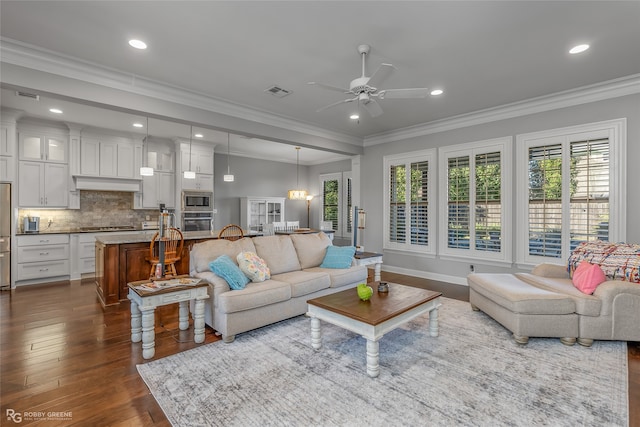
x,y
224,267
338,257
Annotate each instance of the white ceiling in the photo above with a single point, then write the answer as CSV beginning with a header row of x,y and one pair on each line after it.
x,y
483,54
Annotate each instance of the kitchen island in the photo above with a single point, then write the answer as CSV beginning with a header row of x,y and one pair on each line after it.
x,y
120,259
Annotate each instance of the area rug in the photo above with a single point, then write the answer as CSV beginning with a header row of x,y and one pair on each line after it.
x,y
472,374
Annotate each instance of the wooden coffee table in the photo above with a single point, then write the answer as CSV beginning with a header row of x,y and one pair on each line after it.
x,y
372,319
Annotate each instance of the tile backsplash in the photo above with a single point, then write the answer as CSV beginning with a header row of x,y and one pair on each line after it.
x,y
97,208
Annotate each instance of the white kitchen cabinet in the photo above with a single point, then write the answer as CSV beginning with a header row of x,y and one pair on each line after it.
x,y
43,147
257,211
42,257
161,157
157,189
7,168
108,158
201,158
7,140
201,182
43,184
7,150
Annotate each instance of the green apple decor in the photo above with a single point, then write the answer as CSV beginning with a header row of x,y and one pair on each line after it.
x,y
364,291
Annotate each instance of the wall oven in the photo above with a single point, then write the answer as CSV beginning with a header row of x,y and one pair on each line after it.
x,y
197,201
196,221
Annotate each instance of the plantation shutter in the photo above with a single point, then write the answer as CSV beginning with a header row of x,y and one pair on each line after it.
x,y
589,204
458,202
419,203
349,207
545,200
488,206
330,198
397,220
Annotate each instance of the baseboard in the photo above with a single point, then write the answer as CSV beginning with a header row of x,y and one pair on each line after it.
x,y
456,280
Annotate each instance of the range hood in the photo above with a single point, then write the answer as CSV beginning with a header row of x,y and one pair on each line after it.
x,y
101,183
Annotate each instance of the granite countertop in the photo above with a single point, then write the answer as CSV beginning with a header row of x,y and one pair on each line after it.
x,y
76,230
117,239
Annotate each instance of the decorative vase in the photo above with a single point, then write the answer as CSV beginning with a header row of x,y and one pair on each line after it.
x,y
364,291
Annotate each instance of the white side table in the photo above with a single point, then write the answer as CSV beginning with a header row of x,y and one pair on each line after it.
x,y
144,303
368,258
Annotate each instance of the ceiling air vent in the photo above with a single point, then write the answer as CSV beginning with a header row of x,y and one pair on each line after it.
x,y
278,91
28,95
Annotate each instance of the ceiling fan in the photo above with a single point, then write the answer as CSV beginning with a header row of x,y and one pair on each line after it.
x,y
365,89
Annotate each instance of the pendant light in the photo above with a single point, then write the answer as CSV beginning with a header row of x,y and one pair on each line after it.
x,y
146,170
297,194
228,177
189,174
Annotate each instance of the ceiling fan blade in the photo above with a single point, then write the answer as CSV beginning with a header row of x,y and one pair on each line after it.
x,y
344,101
326,86
418,92
380,74
373,108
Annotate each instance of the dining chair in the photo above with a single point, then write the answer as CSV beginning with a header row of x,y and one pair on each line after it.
x,y
279,226
231,232
293,225
268,230
173,245
326,225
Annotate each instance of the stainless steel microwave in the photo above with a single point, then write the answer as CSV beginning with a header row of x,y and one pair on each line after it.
x,y
197,201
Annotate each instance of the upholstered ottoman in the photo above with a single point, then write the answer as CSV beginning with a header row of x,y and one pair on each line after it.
x,y
525,310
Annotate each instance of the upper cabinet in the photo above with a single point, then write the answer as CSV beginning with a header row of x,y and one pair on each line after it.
x,y
107,157
43,146
7,151
201,157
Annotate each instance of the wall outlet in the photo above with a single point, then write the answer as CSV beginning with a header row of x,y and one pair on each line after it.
x,y
215,211
472,268
148,218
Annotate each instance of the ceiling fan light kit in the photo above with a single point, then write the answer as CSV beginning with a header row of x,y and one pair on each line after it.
x,y
364,89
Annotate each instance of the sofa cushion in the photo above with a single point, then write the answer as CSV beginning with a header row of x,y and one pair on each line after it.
x,y
278,252
254,295
338,257
344,276
203,253
304,282
311,248
224,267
254,267
587,305
518,296
587,277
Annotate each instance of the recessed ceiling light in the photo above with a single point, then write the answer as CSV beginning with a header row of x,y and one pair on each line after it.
x,y
354,117
436,92
138,125
55,110
579,48
199,135
138,44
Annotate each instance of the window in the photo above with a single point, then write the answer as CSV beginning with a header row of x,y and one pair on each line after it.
x,y
410,202
474,218
571,189
336,202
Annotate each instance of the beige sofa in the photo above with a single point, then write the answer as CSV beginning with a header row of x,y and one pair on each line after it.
x,y
296,277
544,303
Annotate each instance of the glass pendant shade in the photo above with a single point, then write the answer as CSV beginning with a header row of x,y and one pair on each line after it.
x,y
146,170
297,194
189,174
228,177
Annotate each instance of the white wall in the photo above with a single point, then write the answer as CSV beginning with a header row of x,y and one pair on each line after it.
x,y
255,177
372,174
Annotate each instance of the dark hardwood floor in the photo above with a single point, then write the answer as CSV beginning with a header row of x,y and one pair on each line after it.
x,y
61,352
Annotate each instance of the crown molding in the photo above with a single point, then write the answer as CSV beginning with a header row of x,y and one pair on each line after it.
x,y
623,86
34,57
